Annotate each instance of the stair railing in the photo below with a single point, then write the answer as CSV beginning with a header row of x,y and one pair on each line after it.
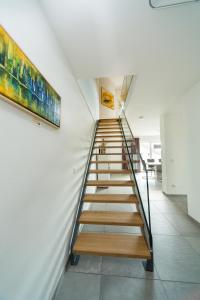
x,y
142,190
75,229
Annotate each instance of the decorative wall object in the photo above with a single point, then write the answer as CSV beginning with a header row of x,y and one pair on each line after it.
x,y
107,98
168,3
23,84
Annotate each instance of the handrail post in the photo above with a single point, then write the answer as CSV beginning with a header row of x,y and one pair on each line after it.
x,y
148,200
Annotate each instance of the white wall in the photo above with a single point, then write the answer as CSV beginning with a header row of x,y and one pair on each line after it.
x,y
181,148
40,167
174,169
105,112
150,139
89,90
191,105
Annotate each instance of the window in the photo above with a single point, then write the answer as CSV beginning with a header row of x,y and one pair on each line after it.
x,y
150,150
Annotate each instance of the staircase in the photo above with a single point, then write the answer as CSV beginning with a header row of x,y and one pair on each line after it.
x,y
115,134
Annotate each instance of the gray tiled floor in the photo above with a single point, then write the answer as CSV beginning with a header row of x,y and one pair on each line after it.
x,y
176,251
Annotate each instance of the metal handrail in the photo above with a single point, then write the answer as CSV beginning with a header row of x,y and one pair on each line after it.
x,y
82,192
148,225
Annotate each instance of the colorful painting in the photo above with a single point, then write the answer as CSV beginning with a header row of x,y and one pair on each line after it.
x,y
21,82
107,98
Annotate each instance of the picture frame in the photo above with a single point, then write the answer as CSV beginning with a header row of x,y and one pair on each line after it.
x,y
23,84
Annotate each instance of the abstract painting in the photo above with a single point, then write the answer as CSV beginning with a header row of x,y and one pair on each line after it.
x,y
107,98
23,84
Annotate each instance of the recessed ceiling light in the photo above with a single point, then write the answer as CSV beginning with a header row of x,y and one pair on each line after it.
x,y
141,117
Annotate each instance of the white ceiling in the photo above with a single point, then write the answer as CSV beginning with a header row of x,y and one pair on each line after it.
x,y
104,38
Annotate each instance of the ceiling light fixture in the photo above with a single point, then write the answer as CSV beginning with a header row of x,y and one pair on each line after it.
x,y
141,117
169,3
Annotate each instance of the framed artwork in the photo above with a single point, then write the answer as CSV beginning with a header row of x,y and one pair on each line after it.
x,y
107,98
23,84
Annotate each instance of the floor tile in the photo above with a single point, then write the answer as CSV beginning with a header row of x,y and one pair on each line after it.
x,y
194,242
154,210
98,206
184,224
87,264
167,206
123,229
180,201
126,267
160,225
93,228
121,207
175,259
123,288
78,286
182,291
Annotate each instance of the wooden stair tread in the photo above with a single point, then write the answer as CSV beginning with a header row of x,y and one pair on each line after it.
x,y
110,198
109,127
114,123
110,183
117,131
108,136
109,171
117,218
110,141
108,123
110,244
107,153
109,161
105,119
109,147
108,120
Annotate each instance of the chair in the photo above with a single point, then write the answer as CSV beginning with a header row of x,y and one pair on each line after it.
x,y
150,165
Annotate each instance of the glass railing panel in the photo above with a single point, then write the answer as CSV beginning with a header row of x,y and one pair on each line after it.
x,y
139,167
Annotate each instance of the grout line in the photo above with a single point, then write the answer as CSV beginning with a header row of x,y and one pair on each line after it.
x,y
114,275
135,277
165,290
101,281
101,288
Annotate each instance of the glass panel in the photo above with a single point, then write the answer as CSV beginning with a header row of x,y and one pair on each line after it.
x,y
139,167
125,87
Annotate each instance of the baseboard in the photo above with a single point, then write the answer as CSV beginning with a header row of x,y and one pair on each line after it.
x,y
173,194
